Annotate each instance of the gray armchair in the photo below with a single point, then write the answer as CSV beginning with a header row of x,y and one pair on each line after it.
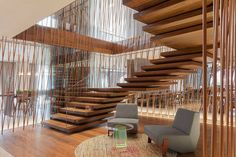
x,y
181,137
125,114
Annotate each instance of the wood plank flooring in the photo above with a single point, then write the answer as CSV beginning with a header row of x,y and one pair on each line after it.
x,y
41,141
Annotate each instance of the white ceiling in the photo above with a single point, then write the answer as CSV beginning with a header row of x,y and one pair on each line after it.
x,y
18,15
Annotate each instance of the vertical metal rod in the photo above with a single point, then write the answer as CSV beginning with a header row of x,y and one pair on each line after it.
x,y
204,82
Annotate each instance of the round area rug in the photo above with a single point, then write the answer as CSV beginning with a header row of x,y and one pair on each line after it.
x,y
102,146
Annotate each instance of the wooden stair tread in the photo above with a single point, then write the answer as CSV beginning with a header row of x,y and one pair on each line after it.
x,y
145,84
105,94
188,19
99,100
186,51
90,105
183,64
150,88
156,78
180,39
130,89
178,32
65,92
70,128
140,5
90,99
67,116
78,119
107,89
167,9
85,112
165,72
59,124
188,57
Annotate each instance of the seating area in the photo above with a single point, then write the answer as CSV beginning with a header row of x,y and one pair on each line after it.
x,y
117,78
125,114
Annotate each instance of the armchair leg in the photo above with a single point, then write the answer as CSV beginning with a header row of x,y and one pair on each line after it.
x,y
164,147
149,140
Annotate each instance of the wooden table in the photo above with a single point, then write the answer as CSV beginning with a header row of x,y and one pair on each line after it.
x,y
102,146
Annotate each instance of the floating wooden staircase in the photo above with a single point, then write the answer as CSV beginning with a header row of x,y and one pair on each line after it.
x,y
173,65
89,109
175,23
75,107
94,105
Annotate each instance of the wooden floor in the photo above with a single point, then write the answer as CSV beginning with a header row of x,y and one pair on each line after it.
x,y
45,142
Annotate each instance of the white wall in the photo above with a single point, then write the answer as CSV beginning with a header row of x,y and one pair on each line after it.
x,y
18,15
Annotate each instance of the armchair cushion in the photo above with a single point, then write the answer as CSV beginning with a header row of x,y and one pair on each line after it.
x,y
122,120
126,111
183,120
158,132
